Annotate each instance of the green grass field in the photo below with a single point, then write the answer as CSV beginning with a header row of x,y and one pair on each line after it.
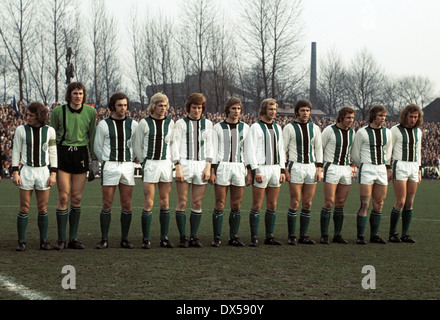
x,y
302,272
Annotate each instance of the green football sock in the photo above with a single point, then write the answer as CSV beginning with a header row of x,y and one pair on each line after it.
x,y
62,218
43,224
181,222
375,218
74,215
254,221
394,220
304,221
22,221
194,221
338,220
291,221
361,222
164,219
325,221
406,220
234,222
104,220
125,224
269,220
217,222
146,218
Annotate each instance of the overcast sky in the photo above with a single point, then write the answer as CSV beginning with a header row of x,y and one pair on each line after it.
x,y
403,35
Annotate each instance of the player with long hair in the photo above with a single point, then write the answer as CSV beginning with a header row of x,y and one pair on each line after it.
x,y
229,171
152,141
75,125
406,168
35,149
371,152
265,156
192,157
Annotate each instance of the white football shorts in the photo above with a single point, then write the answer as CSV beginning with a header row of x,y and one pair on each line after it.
x,y
336,174
302,173
271,176
34,178
114,172
154,171
193,170
405,170
373,174
231,173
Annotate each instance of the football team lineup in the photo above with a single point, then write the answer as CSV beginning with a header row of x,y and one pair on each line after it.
x,y
230,155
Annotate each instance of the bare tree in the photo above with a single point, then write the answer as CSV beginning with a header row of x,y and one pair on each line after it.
x,y
137,52
59,17
363,82
221,64
415,89
5,70
272,32
111,72
256,35
16,31
390,97
106,66
197,23
76,35
332,73
39,67
98,16
286,34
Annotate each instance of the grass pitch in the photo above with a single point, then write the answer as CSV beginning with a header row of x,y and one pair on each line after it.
x,y
302,272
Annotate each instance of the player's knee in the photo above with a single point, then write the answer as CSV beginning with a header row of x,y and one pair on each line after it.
x,y
63,198
377,206
148,204
107,205
339,204
409,201
399,204
307,205
364,208
219,204
75,200
42,208
24,207
294,203
365,203
163,202
271,205
196,204
235,206
328,203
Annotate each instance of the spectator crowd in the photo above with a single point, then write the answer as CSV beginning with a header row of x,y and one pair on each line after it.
x,y
10,120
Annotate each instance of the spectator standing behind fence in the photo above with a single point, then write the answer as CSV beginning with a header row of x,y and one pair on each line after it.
x,y
192,156
35,148
75,125
371,152
407,174
151,144
113,148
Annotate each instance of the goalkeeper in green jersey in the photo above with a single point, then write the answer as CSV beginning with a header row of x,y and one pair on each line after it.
x,y
75,125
